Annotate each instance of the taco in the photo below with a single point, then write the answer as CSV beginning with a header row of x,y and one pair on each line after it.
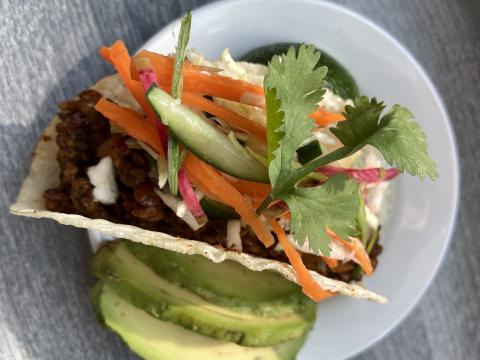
x,y
228,160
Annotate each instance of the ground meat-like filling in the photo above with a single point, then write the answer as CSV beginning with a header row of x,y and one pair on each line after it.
x,y
84,137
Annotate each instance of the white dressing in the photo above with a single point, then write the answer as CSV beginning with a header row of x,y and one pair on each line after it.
x,y
372,219
334,103
337,251
233,234
102,177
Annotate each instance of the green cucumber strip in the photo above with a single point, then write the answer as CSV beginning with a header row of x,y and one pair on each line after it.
x,y
204,140
217,210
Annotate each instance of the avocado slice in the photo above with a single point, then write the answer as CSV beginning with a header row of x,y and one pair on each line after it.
x,y
338,78
155,339
227,283
144,288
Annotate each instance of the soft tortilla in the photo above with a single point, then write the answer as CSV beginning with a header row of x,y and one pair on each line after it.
x,y
45,174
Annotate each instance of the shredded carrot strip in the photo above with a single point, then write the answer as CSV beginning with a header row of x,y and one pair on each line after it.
x,y
118,56
131,122
331,263
360,254
232,118
197,79
323,117
305,279
208,180
286,216
257,192
250,188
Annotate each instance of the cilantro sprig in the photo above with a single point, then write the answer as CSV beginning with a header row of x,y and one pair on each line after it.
x,y
396,135
293,87
175,154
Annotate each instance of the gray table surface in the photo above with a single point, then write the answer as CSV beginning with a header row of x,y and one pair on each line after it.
x,y
48,53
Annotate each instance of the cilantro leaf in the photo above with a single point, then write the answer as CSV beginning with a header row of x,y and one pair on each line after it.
x,y
396,135
275,119
293,87
335,204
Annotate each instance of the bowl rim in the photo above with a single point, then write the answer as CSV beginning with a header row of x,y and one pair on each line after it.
x,y
456,174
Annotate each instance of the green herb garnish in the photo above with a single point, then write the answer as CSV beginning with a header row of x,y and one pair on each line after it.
x,y
175,154
293,87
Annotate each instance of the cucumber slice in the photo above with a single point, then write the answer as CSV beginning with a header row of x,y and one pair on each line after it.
x,y
309,152
217,210
338,78
204,140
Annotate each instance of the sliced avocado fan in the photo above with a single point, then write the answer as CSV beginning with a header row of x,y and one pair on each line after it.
x,y
223,301
155,339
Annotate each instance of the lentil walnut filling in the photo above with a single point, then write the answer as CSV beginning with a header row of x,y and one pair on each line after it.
x,y
84,137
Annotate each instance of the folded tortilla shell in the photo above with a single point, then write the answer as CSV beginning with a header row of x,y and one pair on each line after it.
x,y
45,174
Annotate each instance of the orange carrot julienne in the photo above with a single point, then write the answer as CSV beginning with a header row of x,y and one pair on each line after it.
x,y
118,56
331,263
208,180
230,117
249,188
197,79
131,122
309,285
235,120
257,192
360,255
324,117
105,54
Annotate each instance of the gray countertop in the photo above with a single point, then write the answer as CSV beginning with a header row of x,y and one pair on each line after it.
x,y
48,53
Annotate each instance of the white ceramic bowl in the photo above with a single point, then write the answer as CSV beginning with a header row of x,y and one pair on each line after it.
x,y
423,213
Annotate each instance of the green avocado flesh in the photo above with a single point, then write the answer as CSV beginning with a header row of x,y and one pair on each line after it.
x,y
227,283
155,339
338,79
222,301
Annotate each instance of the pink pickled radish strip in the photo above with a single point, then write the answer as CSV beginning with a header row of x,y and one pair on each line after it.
x,y
372,175
188,195
148,77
